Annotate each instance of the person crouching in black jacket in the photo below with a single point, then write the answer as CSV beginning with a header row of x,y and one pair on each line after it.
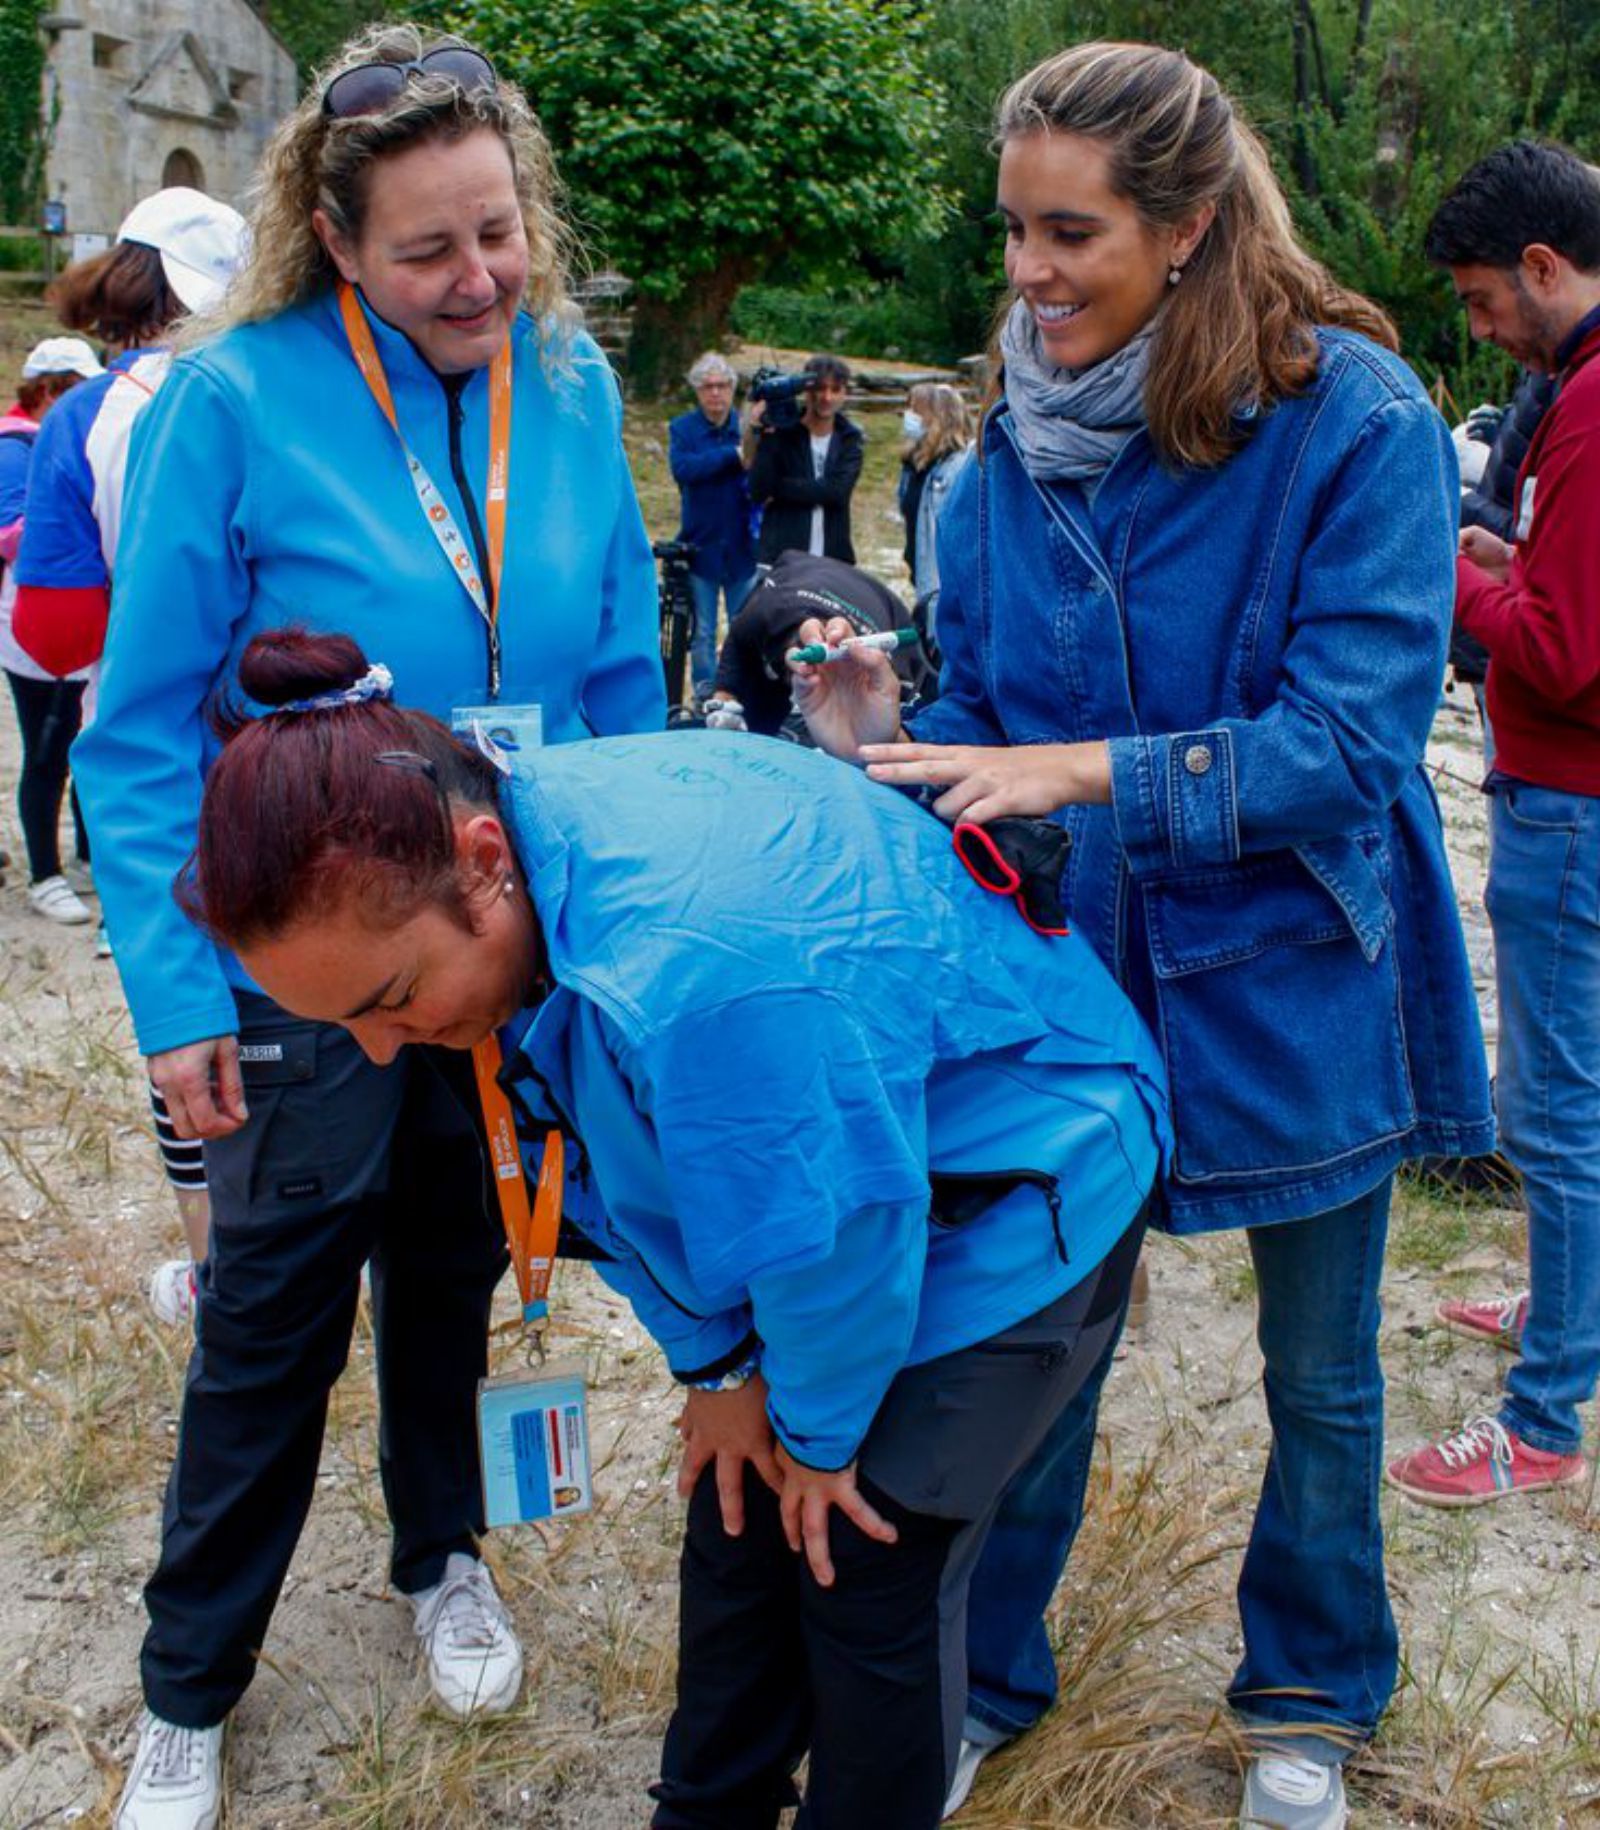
x,y
803,476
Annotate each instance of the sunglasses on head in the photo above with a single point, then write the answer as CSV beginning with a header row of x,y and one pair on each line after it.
x,y
370,88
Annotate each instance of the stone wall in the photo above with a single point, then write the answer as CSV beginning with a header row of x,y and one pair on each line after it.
x,y
151,92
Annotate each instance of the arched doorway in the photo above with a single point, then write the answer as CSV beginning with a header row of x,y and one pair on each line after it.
x,y
182,167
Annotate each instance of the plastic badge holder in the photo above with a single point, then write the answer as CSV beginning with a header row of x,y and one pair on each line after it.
x,y
533,1439
510,728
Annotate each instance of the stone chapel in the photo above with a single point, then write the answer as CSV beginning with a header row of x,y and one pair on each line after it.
x,y
143,93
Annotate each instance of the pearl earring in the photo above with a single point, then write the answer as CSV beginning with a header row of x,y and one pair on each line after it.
x,y
511,887
1174,274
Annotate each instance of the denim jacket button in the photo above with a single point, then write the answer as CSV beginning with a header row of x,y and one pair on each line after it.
x,y
1197,758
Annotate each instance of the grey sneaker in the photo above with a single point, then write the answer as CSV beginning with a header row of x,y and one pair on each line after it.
x,y
175,1782
474,1660
1285,1792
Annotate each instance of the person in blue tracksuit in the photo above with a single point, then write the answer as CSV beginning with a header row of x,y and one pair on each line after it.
x,y
867,1153
406,259
1196,611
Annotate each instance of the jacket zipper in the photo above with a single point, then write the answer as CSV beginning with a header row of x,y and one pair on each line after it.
x,y
1048,1185
454,386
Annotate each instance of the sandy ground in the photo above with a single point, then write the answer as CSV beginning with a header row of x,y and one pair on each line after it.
x,y
1497,1720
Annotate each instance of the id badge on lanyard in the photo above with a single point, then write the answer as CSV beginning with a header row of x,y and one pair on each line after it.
x,y
435,510
533,1426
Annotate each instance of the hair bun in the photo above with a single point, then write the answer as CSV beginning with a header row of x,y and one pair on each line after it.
x,y
281,665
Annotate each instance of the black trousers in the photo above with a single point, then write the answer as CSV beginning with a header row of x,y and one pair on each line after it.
x,y
49,715
869,1675
340,1161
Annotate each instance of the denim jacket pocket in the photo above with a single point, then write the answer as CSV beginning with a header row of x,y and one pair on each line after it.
x,y
1279,1021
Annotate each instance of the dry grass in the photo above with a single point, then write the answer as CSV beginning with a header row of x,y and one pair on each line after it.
x,y
1497,1721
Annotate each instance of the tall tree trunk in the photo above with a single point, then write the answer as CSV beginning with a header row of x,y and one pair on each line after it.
x,y
669,333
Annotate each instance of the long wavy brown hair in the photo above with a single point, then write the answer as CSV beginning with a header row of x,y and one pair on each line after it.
x,y
1239,329
316,162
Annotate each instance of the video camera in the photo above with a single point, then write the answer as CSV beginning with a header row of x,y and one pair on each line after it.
x,y
784,395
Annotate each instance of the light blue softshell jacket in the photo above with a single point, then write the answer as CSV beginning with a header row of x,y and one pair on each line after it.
x,y
781,1004
265,487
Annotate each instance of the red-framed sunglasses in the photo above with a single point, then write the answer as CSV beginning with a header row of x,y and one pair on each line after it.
x,y
370,88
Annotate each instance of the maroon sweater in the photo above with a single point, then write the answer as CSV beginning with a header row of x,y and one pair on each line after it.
x,y
1542,627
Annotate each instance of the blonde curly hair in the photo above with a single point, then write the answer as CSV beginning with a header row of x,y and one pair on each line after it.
x,y
316,162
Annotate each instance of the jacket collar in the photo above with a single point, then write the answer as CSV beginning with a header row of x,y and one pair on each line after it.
x,y
402,362
1580,343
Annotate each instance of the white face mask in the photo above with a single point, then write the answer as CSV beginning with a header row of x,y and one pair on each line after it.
x,y
911,424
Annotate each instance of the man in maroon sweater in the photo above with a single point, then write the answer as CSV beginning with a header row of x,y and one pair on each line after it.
x,y
1520,235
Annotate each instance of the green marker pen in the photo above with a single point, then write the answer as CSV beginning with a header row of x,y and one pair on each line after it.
x,y
819,653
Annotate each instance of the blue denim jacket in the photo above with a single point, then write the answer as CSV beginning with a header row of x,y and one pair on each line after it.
x,y
1263,646
716,497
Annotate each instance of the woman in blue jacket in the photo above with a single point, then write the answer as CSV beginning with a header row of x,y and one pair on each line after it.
x,y
869,1156
392,423
1195,601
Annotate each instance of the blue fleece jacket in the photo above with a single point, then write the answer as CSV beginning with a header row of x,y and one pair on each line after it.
x,y
781,1006
265,487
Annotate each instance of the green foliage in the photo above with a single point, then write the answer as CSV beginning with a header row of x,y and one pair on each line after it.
x,y
892,321
1392,118
1370,108
705,142
314,29
21,139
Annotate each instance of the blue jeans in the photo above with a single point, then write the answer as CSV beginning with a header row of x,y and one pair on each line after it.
x,y
1544,908
1320,1640
703,649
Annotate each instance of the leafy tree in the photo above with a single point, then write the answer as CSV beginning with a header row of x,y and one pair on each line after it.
x,y
21,136
706,142
314,29
1370,108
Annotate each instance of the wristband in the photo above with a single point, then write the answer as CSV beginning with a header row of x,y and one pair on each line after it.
x,y
733,1381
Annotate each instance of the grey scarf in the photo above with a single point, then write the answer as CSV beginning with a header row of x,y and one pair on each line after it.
x,y
1071,422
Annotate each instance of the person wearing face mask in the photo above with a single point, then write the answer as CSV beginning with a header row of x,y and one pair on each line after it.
x,y
704,453
938,433
391,421
1195,601
803,476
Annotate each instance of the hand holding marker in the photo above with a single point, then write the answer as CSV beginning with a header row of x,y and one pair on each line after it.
x,y
818,653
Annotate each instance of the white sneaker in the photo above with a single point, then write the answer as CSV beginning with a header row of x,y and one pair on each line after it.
x,y
56,900
172,1291
968,1760
175,1782
474,1659
80,878
1285,1792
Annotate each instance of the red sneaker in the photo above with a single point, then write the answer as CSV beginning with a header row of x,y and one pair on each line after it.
x,y
1484,1462
1501,1319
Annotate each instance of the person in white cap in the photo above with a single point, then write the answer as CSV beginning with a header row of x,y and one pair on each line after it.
x,y
49,710
173,257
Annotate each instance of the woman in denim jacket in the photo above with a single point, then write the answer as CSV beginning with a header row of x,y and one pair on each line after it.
x,y
1196,595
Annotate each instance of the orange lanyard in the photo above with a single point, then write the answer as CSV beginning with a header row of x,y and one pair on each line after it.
x,y
435,510
531,1230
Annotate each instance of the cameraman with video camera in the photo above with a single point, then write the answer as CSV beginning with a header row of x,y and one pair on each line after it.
x,y
804,462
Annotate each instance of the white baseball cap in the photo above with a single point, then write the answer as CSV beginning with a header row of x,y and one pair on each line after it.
x,y
61,356
202,243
